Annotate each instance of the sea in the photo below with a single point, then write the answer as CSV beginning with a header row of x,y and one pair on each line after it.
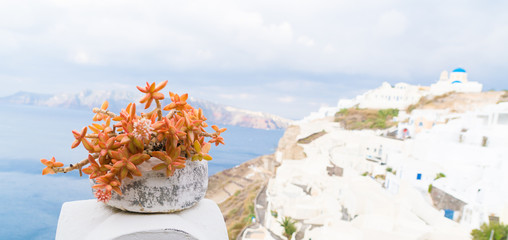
x,y
30,203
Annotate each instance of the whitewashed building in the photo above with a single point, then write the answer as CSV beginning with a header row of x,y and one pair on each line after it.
x,y
399,96
420,120
469,149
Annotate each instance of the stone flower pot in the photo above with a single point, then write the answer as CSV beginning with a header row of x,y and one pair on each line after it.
x,y
155,193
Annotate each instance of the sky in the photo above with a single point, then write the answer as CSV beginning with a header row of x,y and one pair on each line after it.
x,y
283,57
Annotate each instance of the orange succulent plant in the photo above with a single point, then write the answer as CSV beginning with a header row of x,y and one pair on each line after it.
x,y
152,92
132,139
50,164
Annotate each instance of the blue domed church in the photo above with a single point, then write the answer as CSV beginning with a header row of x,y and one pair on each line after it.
x,y
456,81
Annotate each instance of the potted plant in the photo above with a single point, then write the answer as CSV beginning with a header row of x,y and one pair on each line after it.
x,y
150,162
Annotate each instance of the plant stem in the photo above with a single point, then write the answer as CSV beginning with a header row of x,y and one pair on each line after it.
x,y
208,134
98,110
159,111
78,165
171,113
94,135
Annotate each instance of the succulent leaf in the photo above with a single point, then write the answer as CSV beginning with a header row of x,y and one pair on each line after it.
x,y
139,158
159,166
47,170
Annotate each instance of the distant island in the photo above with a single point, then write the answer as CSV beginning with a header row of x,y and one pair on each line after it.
x,y
88,99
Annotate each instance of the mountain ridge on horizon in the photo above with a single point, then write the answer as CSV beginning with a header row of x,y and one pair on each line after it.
x,y
88,99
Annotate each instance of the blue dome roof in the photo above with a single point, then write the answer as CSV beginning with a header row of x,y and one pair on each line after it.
x,y
459,70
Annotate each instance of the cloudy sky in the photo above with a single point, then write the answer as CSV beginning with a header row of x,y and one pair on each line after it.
x,y
282,57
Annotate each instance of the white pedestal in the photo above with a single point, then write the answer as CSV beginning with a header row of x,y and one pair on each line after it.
x,y
89,219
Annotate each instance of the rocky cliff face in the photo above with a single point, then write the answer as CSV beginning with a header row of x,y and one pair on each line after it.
x,y
460,102
239,117
288,144
235,191
238,191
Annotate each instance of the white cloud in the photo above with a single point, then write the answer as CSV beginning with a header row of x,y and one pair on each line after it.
x,y
307,41
235,96
286,99
229,35
83,57
221,43
328,49
392,24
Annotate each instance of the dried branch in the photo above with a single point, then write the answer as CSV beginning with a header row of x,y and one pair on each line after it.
x,y
98,110
208,134
159,111
171,113
78,165
94,135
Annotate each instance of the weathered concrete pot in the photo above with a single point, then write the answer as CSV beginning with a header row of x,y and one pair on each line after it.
x,y
155,193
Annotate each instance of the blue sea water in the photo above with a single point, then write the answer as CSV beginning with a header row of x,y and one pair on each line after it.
x,y
30,202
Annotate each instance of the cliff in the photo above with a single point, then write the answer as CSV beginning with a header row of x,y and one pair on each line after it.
x,y
235,190
288,146
460,102
326,194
